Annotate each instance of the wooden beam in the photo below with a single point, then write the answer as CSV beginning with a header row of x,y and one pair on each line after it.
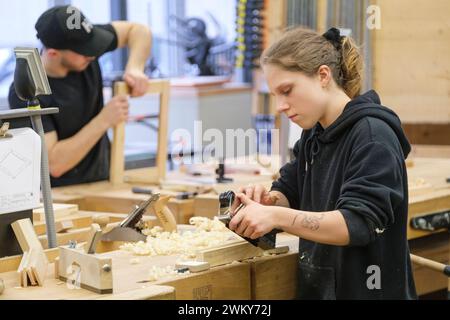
x,y
229,253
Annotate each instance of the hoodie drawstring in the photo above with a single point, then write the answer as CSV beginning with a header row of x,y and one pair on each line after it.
x,y
312,148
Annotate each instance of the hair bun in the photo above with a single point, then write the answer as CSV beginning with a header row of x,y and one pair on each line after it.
x,y
334,36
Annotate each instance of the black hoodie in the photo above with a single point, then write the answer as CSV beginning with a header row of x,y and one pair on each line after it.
x,y
356,166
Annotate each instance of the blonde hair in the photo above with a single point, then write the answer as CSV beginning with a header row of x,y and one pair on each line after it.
x,y
305,50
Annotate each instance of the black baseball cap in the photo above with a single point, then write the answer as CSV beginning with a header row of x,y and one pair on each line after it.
x,y
67,28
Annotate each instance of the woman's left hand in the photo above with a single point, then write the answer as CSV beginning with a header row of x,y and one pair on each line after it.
x,y
254,220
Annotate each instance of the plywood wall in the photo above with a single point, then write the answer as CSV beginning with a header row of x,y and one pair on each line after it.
x,y
411,59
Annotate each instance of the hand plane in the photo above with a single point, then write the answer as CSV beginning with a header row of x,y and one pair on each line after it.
x,y
129,229
226,199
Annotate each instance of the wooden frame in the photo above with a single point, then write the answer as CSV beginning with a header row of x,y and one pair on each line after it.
x,y
150,175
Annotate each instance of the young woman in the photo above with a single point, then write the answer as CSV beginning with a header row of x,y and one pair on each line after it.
x,y
346,193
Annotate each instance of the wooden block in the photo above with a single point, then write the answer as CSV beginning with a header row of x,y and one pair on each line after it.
x,y
59,210
94,272
63,226
38,264
229,253
78,220
25,234
149,293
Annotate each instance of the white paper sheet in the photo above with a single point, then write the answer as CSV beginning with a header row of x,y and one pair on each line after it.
x,y
20,161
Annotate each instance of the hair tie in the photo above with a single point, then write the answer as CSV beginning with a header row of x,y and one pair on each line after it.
x,y
334,36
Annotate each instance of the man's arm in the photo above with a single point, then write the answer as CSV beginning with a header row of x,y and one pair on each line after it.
x,y
65,154
138,39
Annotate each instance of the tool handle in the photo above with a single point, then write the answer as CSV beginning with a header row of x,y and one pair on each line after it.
x,y
437,266
166,218
138,212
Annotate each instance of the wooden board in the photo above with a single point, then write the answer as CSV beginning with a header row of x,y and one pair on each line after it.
x,y
59,210
413,80
229,253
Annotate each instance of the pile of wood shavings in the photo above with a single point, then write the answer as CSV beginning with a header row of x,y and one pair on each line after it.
x,y
208,233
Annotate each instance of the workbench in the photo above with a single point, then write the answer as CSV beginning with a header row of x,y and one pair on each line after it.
x,y
257,278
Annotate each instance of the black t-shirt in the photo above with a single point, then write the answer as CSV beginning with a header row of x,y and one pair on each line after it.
x,y
79,97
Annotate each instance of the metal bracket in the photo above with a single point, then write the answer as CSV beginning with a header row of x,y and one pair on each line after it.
x,y
432,222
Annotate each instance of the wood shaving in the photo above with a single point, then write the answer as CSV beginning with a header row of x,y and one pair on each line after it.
x,y
208,233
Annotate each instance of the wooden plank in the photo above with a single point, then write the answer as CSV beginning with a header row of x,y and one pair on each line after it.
x,y
227,254
24,231
79,220
414,80
59,209
428,133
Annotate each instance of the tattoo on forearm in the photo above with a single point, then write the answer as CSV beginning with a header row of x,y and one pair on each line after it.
x,y
310,220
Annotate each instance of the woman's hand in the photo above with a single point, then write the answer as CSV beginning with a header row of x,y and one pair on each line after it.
x,y
254,220
257,193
